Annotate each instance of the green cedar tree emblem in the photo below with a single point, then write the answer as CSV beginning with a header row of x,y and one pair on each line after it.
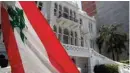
x,y
17,20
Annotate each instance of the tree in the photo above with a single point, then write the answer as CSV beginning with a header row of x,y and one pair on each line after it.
x,y
113,41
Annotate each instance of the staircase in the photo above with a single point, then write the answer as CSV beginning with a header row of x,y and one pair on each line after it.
x,y
95,57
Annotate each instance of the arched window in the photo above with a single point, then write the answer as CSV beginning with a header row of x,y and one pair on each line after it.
x,y
60,34
82,41
66,13
72,36
55,9
76,39
60,10
66,36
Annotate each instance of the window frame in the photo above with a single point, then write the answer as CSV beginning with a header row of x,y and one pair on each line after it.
x,y
66,35
55,9
66,12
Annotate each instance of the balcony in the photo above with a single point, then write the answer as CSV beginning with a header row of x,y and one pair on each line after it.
x,y
76,50
67,21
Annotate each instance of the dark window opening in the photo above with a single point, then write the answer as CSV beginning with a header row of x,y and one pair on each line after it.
x,y
72,38
55,12
56,5
55,9
66,36
55,29
66,13
71,17
82,41
40,5
80,21
60,33
76,39
60,10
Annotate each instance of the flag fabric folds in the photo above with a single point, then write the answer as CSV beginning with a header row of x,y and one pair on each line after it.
x,y
31,45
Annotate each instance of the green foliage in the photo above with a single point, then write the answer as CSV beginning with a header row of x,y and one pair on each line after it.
x,y
113,40
106,68
112,68
126,61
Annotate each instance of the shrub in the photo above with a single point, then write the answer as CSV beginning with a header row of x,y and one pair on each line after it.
x,y
126,61
112,68
106,68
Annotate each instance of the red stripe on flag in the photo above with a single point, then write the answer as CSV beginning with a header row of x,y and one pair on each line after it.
x,y
10,44
57,54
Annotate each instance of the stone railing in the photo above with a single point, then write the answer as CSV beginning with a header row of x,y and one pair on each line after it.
x,y
77,50
101,56
103,59
74,48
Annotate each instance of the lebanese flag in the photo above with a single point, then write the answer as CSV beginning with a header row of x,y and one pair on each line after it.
x,y
31,45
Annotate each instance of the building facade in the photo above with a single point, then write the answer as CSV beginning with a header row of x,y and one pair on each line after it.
x,y
73,28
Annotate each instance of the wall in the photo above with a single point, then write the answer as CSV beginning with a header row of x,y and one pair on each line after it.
x,y
89,7
113,12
